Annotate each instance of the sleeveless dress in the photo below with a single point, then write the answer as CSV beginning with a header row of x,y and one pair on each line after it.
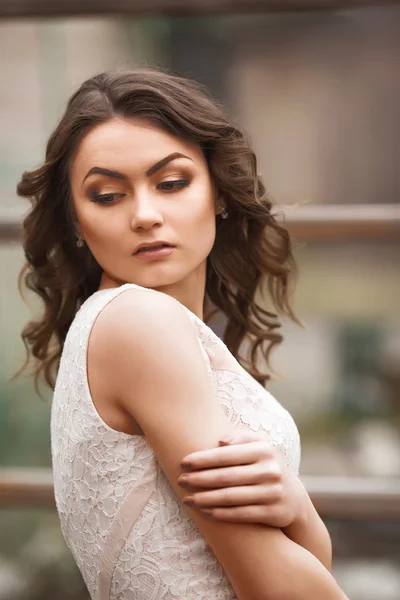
x,y
130,535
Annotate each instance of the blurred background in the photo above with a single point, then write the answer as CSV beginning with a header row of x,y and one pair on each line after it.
x,y
317,85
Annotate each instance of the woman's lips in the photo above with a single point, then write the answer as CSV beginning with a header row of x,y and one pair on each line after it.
x,y
154,253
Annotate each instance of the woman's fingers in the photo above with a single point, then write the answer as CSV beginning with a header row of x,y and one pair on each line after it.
x,y
244,514
225,456
235,496
242,481
252,474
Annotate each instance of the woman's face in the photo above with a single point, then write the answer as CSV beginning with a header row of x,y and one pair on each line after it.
x,y
133,184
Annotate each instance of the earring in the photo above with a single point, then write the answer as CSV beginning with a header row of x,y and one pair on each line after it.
x,y
224,213
79,242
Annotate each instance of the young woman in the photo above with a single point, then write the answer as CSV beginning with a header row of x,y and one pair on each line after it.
x,y
175,471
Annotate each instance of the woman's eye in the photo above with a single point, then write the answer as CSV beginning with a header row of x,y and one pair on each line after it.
x,y
105,198
170,186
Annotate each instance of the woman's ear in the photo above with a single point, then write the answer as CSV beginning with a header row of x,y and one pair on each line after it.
x,y
220,208
220,204
77,228
77,231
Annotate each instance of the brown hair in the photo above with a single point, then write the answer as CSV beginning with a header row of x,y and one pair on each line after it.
x,y
250,245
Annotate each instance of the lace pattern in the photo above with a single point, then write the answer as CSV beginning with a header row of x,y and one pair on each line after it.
x,y
102,477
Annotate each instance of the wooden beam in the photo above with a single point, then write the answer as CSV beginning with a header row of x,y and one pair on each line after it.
x,y
26,488
59,8
310,223
359,498
347,222
11,224
356,498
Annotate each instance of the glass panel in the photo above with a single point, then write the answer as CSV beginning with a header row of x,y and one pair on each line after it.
x,y
322,134
35,562
341,374
366,564
24,418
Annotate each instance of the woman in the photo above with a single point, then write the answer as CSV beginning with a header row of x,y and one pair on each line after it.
x,y
147,211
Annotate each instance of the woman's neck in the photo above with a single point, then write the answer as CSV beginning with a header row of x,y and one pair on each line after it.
x,y
190,291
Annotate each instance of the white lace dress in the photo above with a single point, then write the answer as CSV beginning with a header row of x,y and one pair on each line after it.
x,y
129,533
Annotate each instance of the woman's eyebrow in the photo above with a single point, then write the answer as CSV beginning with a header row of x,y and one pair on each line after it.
x,y
164,161
117,175
105,172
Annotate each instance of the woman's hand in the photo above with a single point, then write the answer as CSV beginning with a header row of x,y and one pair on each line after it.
x,y
243,480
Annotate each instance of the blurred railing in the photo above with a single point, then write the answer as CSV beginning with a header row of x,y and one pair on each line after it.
x,y
48,8
313,222
334,497
336,222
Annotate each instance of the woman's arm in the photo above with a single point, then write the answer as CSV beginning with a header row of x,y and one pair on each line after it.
x,y
244,481
311,533
158,373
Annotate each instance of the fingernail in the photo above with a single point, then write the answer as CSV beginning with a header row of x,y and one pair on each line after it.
x,y
184,484
186,465
188,501
225,441
206,511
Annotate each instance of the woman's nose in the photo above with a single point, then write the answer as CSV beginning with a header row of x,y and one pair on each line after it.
x,y
145,214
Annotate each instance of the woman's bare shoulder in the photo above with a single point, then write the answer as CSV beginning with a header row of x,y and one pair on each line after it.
x,y
142,312
135,328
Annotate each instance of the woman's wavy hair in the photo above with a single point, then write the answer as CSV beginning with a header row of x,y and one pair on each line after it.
x,y
250,248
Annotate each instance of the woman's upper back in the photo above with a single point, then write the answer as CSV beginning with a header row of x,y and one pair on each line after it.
x,y
120,517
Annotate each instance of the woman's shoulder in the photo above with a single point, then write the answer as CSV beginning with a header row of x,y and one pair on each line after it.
x,y
142,336
136,318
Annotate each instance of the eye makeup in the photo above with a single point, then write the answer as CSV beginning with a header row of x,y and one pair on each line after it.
x,y
172,185
104,199
168,186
